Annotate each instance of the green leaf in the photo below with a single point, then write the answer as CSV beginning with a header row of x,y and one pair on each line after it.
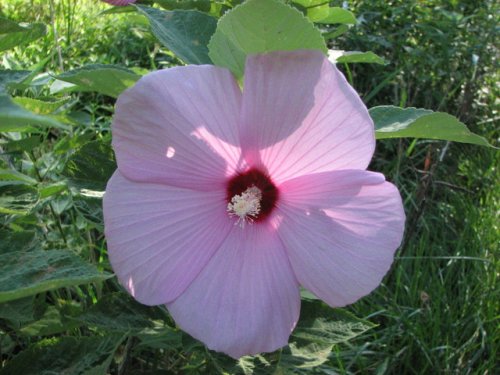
x,y
18,312
66,355
91,166
13,34
339,56
337,15
118,312
27,143
321,324
51,189
17,198
185,32
109,80
90,207
8,77
24,274
23,240
7,176
51,323
395,122
13,117
334,33
260,26
40,107
201,5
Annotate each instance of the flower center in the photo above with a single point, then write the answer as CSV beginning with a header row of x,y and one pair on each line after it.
x,y
251,196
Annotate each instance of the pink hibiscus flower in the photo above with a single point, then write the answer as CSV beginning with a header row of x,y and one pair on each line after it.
x,y
119,2
224,202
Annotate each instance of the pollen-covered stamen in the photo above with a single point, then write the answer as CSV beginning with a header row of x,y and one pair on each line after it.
x,y
245,205
251,196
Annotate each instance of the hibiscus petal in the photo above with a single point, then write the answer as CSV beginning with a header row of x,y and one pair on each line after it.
x,y
246,300
178,127
300,116
160,237
340,230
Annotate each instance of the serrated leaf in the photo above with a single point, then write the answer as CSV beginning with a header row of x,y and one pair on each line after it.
x,y
339,56
13,34
185,32
13,117
91,166
109,80
66,355
24,274
395,122
17,198
260,26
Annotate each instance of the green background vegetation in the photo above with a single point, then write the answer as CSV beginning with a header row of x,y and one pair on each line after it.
x,y
437,309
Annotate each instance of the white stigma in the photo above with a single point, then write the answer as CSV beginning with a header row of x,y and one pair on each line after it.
x,y
245,205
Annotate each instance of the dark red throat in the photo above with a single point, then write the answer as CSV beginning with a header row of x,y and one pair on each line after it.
x,y
254,177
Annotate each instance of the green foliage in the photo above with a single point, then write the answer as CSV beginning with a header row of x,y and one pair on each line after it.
x,y
105,79
395,122
185,32
84,355
61,312
25,273
13,34
256,27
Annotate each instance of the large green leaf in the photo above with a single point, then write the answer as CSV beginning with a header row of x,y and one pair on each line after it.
x,y
66,355
23,274
91,166
109,80
13,34
395,122
13,117
260,26
185,32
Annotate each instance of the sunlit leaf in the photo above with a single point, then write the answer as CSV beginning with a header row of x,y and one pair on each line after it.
x,y
24,274
185,32
40,107
258,26
13,117
51,323
339,56
109,80
395,122
13,34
